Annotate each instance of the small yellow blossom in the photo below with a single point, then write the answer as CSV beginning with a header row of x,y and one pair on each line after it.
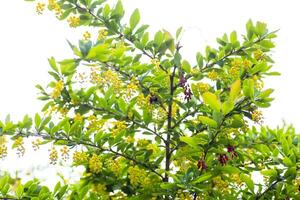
x,y
80,157
19,144
257,116
181,195
74,21
53,156
95,164
100,189
65,152
119,126
203,87
112,79
247,63
40,7
136,175
213,75
78,118
220,185
132,87
130,139
53,5
59,86
236,179
102,34
258,54
234,71
155,62
3,151
86,35
36,144
115,166
142,143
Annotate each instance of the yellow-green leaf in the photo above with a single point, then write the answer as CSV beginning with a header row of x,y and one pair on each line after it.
x,y
235,90
212,100
227,106
208,121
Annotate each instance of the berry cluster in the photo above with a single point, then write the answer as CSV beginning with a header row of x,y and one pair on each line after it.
x,y
187,90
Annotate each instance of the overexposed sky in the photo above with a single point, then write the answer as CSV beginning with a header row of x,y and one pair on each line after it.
x,y
27,40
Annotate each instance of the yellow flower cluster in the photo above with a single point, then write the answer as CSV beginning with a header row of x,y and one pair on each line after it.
x,y
181,195
115,166
36,144
94,123
78,118
119,126
258,83
95,164
247,64
3,147
87,35
142,142
258,54
131,87
95,78
234,72
137,176
19,144
155,62
102,34
152,147
236,179
53,5
130,139
80,157
220,185
257,116
213,75
65,152
100,189
296,183
59,86
143,102
40,7
202,87
112,78
53,156
73,21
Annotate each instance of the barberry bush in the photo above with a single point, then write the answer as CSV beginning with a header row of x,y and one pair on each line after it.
x,y
147,124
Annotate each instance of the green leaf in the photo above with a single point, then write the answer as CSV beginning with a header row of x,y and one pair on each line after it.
x,y
190,141
158,38
37,120
233,37
134,19
212,100
199,58
230,169
248,182
19,191
99,52
288,162
202,178
208,121
52,63
227,106
248,88
186,66
235,90
178,32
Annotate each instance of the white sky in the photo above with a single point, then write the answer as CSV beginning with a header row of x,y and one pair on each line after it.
x,y
27,40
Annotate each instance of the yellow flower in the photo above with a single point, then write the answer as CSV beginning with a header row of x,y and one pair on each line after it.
x,y
19,144
65,152
53,5
87,35
53,156
102,34
136,175
258,54
257,116
131,87
213,75
234,71
95,164
247,63
112,79
130,139
74,21
236,179
115,166
79,157
59,86
36,144
40,7
155,62
220,185
3,151
202,87
119,126
142,142
78,118
99,189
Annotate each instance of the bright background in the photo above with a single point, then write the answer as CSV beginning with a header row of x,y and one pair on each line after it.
x,y
27,40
